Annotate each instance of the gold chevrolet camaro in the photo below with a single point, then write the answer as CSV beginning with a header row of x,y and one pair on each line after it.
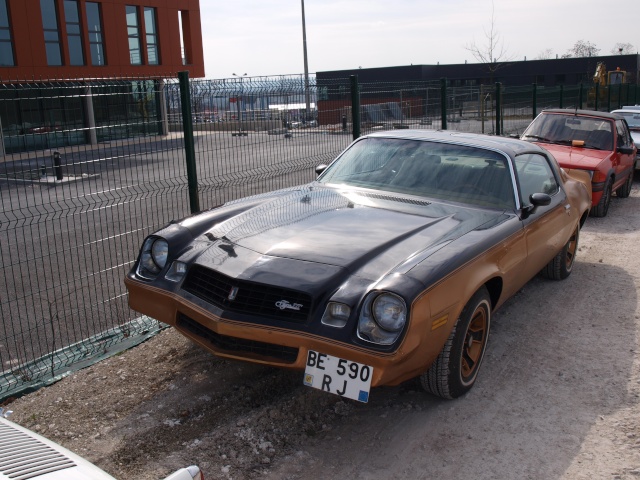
x,y
387,267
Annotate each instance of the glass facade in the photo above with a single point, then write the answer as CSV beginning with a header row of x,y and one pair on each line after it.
x,y
94,27
43,116
133,32
51,32
74,32
153,54
40,116
6,45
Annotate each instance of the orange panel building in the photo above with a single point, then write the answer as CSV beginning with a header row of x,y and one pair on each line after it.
x,y
76,72
80,39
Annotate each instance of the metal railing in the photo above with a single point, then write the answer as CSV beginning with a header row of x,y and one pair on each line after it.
x,y
91,168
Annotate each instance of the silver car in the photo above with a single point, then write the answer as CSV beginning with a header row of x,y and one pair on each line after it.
x,y
632,115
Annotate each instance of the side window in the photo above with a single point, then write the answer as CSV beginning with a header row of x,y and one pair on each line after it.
x,y
535,175
624,138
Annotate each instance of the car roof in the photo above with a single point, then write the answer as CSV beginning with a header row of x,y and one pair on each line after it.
x,y
509,146
627,110
574,111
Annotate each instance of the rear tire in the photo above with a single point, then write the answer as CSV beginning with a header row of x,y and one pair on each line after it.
x,y
562,264
625,190
602,208
455,370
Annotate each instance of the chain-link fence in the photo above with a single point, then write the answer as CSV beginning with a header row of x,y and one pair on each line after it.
x,y
90,168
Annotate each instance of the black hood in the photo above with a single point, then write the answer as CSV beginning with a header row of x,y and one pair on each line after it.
x,y
355,230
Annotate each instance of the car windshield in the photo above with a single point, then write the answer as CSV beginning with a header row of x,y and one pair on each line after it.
x,y
596,133
632,118
426,169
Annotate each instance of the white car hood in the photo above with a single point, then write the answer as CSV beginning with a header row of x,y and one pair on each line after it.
x,y
25,454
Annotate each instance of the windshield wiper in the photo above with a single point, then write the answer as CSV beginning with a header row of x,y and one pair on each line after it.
x,y
537,137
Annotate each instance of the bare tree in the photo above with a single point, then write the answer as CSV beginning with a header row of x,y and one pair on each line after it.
x,y
623,49
491,53
582,49
545,54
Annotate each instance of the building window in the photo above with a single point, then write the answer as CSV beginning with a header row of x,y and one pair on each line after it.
x,y
94,26
133,30
74,35
51,32
153,54
6,46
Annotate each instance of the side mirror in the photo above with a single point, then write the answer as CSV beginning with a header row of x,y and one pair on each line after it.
x,y
320,168
625,150
537,200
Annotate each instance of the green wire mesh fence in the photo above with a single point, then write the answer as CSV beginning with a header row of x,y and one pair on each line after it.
x,y
90,168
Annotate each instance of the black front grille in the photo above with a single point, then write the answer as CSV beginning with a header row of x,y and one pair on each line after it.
x,y
251,298
238,345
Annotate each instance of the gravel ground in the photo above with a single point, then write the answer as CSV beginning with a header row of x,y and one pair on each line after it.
x,y
558,397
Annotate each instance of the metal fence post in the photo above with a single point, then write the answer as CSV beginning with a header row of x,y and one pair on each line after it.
x,y
534,100
580,95
620,96
189,148
498,108
443,103
355,106
597,95
628,89
561,102
57,165
609,98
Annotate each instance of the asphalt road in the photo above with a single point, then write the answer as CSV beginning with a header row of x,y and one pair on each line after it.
x,y
66,246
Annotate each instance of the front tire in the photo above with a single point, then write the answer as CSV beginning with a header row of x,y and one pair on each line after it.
x,y
455,370
602,208
562,264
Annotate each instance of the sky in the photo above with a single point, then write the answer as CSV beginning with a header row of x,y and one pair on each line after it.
x,y
264,37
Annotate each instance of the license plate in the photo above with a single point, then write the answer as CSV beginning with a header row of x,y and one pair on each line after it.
x,y
338,376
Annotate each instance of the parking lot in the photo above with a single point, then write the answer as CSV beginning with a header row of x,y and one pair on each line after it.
x,y
558,396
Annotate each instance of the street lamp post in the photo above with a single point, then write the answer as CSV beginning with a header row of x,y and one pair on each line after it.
x,y
306,65
241,132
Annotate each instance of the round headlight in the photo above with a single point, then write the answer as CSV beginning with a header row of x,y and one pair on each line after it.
x,y
153,257
160,252
390,312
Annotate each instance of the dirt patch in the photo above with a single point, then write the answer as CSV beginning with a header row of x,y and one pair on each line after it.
x,y
558,397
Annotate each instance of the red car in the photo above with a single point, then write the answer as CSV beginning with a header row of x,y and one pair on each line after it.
x,y
596,142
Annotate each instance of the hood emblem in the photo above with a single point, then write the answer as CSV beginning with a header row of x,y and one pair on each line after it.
x,y
233,294
285,305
